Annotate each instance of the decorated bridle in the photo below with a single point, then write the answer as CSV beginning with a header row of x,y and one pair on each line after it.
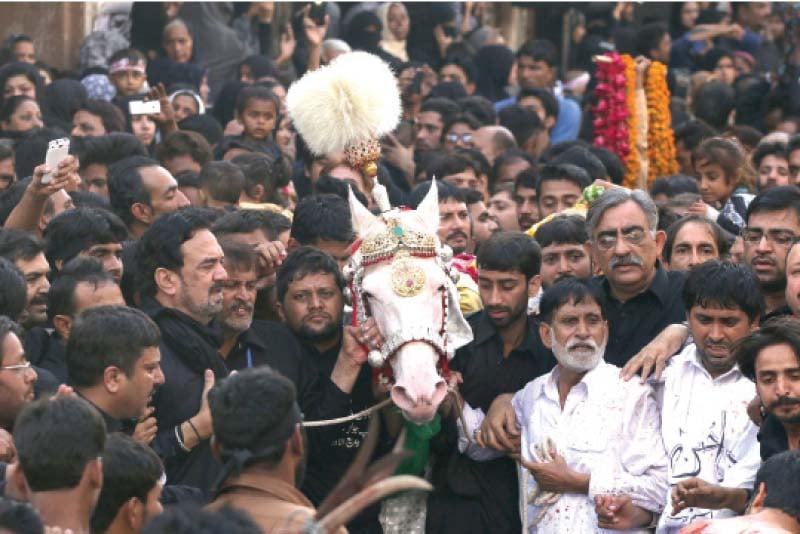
x,y
397,245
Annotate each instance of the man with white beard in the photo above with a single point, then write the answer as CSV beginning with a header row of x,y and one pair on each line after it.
x,y
586,433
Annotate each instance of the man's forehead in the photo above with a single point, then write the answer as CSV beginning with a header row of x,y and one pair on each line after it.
x,y
312,281
585,305
451,205
553,248
429,117
629,213
785,219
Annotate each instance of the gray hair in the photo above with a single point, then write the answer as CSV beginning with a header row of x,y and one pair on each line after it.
x,y
615,197
175,23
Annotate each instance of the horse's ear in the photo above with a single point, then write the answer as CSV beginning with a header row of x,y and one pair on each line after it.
x,y
359,214
428,209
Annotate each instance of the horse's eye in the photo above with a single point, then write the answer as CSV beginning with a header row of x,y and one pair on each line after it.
x,y
442,288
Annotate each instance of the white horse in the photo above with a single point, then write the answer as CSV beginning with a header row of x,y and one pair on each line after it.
x,y
399,274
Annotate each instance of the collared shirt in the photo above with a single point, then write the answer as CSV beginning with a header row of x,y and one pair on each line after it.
x,y
474,496
634,323
608,428
707,432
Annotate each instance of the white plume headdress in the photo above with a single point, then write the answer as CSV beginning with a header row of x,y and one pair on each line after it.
x,y
347,106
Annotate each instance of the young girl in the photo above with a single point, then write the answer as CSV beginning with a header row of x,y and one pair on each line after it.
x,y
257,111
720,166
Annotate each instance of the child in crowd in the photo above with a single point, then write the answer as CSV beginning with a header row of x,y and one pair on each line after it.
x,y
257,111
127,73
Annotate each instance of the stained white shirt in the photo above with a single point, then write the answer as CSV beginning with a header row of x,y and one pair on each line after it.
x,y
608,428
706,430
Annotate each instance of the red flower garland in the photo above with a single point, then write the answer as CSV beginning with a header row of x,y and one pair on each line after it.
x,y
611,111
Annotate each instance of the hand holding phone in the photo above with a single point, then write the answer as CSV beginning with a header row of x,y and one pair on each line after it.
x,y
57,150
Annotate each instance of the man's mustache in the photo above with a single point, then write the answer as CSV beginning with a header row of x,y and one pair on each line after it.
x,y
457,233
628,259
784,401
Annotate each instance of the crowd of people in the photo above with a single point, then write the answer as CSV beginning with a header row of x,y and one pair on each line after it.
x,y
173,300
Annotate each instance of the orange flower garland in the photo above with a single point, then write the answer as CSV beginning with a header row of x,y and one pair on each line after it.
x,y
660,137
632,163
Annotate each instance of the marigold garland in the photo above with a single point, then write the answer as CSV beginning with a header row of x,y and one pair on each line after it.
x,y
660,137
611,111
632,163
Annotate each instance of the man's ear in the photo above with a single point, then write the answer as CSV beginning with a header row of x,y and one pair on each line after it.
x,y
661,238
549,122
166,280
544,334
279,311
112,379
19,485
95,473
534,284
296,444
131,511
757,504
142,213
63,325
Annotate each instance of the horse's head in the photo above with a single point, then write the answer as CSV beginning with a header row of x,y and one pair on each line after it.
x,y
399,276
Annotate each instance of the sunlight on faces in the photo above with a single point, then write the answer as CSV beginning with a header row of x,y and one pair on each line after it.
x,y
714,186
715,331
137,390
527,207
777,370
577,335
239,299
503,208
165,197
694,244
454,225
793,279
429,126
505,295
199,289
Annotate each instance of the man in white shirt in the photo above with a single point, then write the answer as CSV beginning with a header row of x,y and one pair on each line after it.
x,y
605,432
710,441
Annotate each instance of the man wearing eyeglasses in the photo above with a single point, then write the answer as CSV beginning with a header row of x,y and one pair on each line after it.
x,y
17,377
643,298
773,225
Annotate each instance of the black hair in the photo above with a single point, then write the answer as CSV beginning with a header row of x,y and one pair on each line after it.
x,y
237,408
328,185
508,157
674,185
540,50
188,179
450,90
748,136
160,246
713,102
223,180
720,235
691,133
444,107
570,291
130,471
510,251
615,169
189,519
238,256
779,474
184,143
303,261
108,336
477,158
479,107
106,149
562,171
451,163
723,284
778,149
245,221
87,199
13,290
19,244
126,187
776,199
581,157
31,148
521,122
256,92
111,116
776,331
545,96
8,326
17,68
528,178
61,297
10,105
464,63
322,217
271,173
460,118
19,517
444,191
562,230
206,125
76,230
649,37
55,439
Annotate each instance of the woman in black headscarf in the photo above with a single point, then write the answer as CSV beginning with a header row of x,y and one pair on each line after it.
x,y
255,68
494,64
20,79
364,33
61,100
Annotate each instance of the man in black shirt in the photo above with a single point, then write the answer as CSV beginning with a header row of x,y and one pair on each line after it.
x,y
310,302
505,354
114,362
643,298
771,358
